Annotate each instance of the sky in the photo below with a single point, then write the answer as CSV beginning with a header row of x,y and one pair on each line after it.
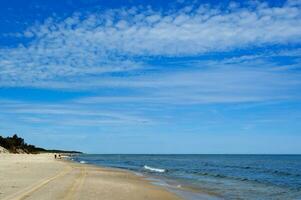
x,y
152,76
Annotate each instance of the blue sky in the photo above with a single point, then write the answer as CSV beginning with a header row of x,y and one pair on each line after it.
x,y
152,77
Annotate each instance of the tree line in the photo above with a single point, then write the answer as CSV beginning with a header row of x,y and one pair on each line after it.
x,y
16,144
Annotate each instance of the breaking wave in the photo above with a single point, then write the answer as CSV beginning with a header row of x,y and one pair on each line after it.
x,y
154,169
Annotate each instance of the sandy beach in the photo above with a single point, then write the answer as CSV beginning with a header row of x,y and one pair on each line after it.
x,y
36,177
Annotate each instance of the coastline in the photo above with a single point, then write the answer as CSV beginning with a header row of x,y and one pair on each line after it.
x,y
183,192
40,176
181,189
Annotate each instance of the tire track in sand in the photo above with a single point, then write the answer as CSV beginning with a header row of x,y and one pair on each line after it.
x,y
25,193
77,184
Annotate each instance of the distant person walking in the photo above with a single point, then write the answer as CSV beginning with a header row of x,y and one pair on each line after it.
x,y
54,156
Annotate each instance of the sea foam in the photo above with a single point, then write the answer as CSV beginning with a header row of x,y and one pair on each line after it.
x,y
154,169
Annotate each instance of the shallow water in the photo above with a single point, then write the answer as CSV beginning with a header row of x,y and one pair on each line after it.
x,y
223,176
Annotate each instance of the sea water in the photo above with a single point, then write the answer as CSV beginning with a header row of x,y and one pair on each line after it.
x,y
214,176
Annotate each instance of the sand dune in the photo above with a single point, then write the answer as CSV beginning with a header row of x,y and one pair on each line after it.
x,y
3,150
36,177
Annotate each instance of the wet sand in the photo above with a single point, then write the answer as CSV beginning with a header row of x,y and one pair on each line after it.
x,y
36,177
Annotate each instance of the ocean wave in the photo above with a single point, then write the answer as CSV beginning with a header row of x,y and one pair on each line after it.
x,y
222,176
230,166
283,173
83,162
154,169
258,169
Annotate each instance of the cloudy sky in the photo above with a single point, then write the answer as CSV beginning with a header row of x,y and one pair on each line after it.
x,y
151,76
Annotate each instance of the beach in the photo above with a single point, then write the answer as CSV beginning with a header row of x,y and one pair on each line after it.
x,y
40,176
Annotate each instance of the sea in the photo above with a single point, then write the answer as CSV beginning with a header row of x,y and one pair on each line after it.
x,y
213,177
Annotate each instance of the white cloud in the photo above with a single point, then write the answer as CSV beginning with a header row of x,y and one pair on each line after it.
x,y
68,114
110,40
82,52
174,33
221,85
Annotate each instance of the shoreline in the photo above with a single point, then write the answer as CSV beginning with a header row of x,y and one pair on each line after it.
x,y
181,189
40,176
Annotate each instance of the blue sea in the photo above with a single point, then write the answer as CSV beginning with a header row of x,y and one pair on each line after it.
x,y
214,176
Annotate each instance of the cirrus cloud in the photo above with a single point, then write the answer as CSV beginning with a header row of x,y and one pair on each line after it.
x,y
84,51
119,40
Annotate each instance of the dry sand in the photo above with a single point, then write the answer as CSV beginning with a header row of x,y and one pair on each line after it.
x,y
41,177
